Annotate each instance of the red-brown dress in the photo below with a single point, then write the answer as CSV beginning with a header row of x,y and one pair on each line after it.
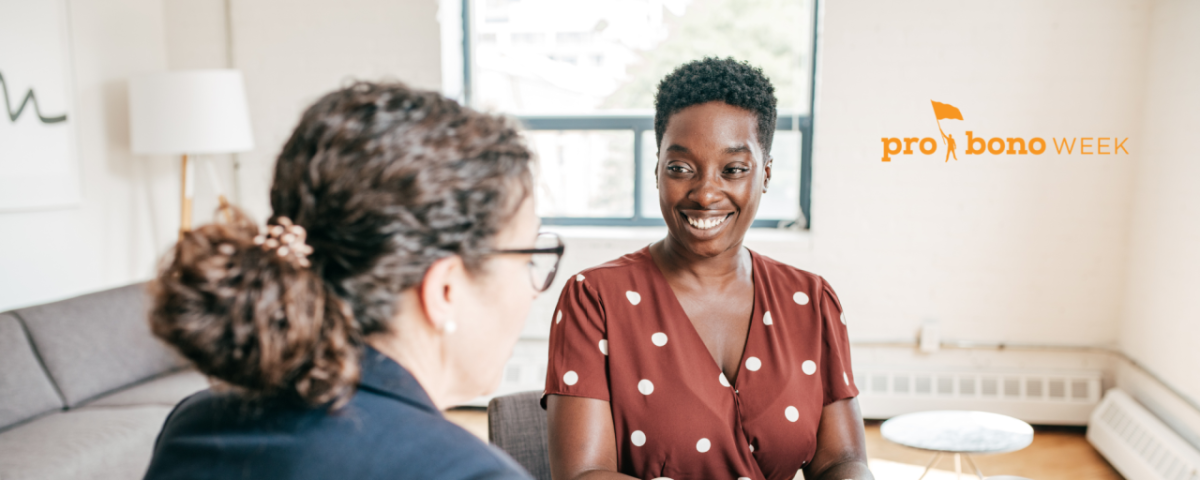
x,y
620,335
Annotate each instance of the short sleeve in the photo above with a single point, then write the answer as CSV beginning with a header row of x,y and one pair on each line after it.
x,y
837,374
578,360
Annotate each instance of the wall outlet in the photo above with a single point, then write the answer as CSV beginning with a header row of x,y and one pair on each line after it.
x,y
931,337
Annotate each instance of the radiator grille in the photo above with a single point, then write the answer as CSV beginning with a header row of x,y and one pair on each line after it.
x,y
1079,387
1037,396
1138,444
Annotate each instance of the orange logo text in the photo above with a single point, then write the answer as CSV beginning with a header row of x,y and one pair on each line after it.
x,y
982,145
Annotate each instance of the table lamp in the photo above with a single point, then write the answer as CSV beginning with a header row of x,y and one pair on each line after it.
x,y
189,112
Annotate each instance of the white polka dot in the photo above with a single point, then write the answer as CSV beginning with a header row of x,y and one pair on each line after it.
x,y
604,347
800,298
791,413
703,445
809,367
646,387
638,438
846,378
633,297
743,478
724,381
659,339
579,278
558,319
767,318
843,318
753,363
571,377
751,448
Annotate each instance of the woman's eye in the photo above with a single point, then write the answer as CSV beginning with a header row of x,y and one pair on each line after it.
x,y
737,170
675,169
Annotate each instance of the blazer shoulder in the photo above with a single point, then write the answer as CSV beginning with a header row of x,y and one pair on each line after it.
x,y
430,446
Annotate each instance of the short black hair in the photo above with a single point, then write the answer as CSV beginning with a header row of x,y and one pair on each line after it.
x,y
715,79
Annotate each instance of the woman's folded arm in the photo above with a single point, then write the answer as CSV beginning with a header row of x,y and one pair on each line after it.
x,y
841,444
583,444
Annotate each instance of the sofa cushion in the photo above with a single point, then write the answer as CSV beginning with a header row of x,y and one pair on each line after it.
x,y
97,343
167,391
24,386
94,443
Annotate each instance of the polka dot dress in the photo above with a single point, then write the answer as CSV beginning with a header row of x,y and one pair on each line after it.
x,y
676,414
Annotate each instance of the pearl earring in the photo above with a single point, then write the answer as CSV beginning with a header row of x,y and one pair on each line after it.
x,y
449,327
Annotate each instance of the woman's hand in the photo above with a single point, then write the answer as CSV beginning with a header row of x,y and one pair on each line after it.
x,y
841,444
583,445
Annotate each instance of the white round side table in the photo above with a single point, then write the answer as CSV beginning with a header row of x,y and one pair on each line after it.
x,y
958,432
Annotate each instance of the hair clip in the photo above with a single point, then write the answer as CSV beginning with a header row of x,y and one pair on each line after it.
x,y
287,240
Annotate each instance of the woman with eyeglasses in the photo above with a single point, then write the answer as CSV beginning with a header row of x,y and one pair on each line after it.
x,y
396,272
696,357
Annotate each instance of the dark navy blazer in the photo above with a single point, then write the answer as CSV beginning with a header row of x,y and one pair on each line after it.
x,y
389,429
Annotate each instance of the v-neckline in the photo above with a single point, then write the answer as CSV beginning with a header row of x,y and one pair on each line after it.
x,y
691,327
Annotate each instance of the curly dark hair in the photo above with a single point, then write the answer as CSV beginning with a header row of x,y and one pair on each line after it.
x,y
714,79
386,180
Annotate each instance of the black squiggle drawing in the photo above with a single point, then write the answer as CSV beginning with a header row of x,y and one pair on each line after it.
x,y
29,98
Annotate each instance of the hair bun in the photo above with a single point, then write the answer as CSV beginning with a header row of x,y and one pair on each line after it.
x,y
252,318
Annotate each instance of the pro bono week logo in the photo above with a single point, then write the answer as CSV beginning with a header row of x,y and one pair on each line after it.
x,y
996,145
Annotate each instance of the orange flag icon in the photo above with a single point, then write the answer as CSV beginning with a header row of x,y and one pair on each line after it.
x,y
945,111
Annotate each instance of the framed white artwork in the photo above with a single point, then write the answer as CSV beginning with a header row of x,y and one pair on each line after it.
x,y
39,165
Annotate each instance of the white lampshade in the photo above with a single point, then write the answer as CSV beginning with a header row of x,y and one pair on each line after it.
x,y
192,112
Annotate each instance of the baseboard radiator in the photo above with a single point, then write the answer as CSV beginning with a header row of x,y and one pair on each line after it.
x,y
1138,444
1043,397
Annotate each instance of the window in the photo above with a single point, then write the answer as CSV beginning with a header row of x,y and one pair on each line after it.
x,y
581,75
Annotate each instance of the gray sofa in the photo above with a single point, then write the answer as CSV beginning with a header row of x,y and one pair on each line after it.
x,y
85,387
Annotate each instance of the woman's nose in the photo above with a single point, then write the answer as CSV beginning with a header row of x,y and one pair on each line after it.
x,y
707,191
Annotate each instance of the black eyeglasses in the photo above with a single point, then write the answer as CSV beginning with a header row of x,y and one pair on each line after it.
x,y
547,251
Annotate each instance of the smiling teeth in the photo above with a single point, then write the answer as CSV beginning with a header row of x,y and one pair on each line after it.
x,y
706,223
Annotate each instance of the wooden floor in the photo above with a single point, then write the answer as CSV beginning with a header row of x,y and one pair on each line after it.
x,y
1057,453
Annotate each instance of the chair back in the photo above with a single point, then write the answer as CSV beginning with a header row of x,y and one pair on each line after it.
x,y
517,424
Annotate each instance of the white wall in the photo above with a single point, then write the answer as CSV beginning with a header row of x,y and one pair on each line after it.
x,y
292,52
997,249
1161,323
109,239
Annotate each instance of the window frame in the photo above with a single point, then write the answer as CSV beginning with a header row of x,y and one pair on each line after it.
x,y
639,124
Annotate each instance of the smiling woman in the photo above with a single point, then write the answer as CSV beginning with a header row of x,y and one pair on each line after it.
x,y
711,176
713,361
